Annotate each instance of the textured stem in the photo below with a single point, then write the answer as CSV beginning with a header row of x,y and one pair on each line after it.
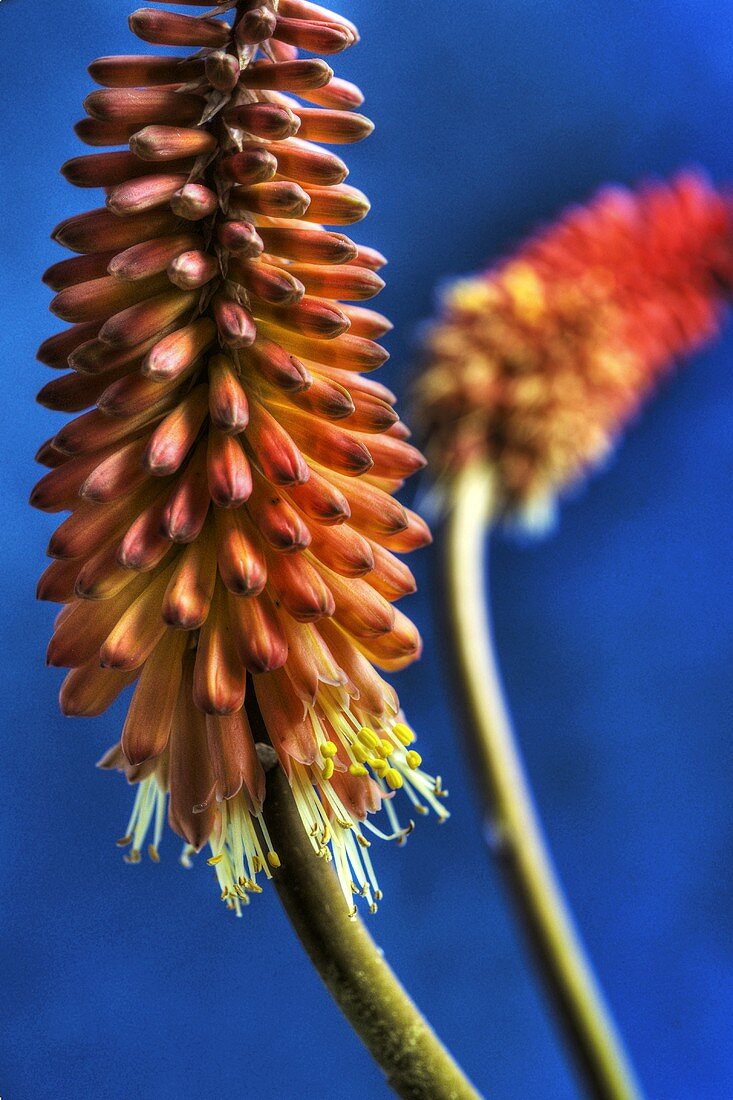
x,y
514,828
416,1064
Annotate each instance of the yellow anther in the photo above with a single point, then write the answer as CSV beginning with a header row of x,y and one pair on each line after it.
x,y
358,770
274,860
386,748
379,766
393,779
212,862
257,864
255,888
414,759
359,752
328,769
403,733
153,853
328,749
369,738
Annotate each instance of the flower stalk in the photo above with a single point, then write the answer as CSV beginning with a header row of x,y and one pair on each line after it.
x,y
513,826
416,1064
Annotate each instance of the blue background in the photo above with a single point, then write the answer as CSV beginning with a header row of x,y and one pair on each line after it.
x,y
616,634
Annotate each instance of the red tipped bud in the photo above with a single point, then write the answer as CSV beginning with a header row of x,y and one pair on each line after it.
x,y
137,72
332,127
170,29
255,26
151,257
144,106
281,199
236,325
192,269
228,405
287,76
155,143
316,37
308,247
174,354
270,121
222,71
194,202
255,164
239,237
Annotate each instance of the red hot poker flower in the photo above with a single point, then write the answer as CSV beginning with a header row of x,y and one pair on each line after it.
x,y
230,548
537,364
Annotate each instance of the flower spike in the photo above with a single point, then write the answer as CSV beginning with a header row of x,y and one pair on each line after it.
x,y
230,548
536,365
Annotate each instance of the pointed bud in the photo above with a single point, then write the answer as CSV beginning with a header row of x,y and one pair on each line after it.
x,y
142,321
174,354
286,76
188,597
332,127
222,71
239,237
186,509
281,199
240,560
194,269
144,106
194,202
255,26
258,635
228,405
229,473
101,231
173,438
156,143
148,723
151,257
236,325
171,29
315,37
254,164
270,121
339,94
275,285
219,678
135,71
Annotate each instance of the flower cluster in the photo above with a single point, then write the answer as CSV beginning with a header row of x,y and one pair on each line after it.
x,y
538,363
231,543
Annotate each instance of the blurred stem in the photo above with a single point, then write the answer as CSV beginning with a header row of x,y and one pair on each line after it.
x,y
416,1064
514,829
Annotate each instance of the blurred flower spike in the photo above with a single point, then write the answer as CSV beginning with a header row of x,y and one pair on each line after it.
x,y
232,537
536,365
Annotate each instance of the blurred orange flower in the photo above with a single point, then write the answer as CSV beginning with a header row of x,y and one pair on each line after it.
x,y
537,364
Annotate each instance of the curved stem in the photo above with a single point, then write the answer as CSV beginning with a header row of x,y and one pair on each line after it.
x,y
515,831
416,1064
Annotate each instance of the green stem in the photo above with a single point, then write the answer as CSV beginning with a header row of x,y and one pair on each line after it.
x,y
514,825
416,1064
